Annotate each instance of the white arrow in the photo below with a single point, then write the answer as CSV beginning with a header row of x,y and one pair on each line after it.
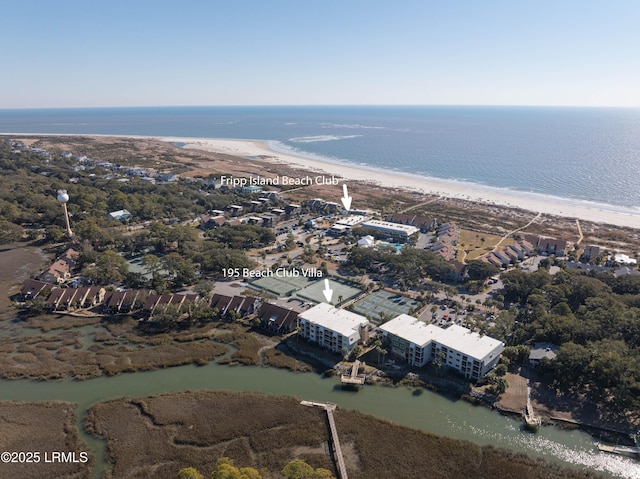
x,y
346,200
328,292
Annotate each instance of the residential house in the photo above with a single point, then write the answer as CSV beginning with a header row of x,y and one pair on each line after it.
x,y
528,248
443,249
590,252
251,189
54,298
541,351
120,215
545,245
241,305
367,241
552,246
518,250
235,210
504,258
292,210
31,288
210,222
277,319
512,254
459,272
60,270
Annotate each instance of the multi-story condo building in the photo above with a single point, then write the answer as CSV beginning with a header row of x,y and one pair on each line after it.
x,y
332,328
471,354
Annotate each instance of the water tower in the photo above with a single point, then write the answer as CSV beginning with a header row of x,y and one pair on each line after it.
x,y
63,197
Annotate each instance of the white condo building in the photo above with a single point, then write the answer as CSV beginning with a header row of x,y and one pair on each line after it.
x,y
469,353
332,328
393,229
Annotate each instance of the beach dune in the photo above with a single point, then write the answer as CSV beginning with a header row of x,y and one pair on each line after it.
x,y
538,203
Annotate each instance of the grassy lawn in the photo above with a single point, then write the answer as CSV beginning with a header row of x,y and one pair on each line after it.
x,y
478,244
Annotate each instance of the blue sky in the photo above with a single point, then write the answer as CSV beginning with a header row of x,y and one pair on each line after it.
x,y
71,53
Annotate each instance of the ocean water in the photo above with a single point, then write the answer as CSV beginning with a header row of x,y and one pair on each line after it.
x,y
578,154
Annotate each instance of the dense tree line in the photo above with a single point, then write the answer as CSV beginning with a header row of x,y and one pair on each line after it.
x,y
243,236
30,180
593,317
410,265
225,469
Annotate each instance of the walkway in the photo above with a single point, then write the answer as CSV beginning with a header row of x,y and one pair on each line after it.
x,y
419,205
337,451
353,378
579,232
495,248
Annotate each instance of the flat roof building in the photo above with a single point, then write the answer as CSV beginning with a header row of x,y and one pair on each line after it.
x,y
351,220
410,338
332,328
394,229
471,354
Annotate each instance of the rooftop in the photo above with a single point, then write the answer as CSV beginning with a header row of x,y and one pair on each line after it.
x,y
455,337
467,342
338,320
412,329
406,229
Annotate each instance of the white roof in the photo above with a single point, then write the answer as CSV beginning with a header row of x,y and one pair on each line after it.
x,y
454,337
412,329
467,342
339,227
338,320
624,259
386,225
367,241
119,213
351,220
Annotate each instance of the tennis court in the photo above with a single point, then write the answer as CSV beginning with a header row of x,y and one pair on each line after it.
x,y
282,286
389,304
341,292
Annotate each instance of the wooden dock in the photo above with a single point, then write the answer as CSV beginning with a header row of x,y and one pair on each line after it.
x,y
337,451
353,378
629,451
530,417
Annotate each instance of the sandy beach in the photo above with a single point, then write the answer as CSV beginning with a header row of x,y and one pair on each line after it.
x,y
598,213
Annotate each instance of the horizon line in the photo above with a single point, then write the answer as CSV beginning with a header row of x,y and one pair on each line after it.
x,y
297,105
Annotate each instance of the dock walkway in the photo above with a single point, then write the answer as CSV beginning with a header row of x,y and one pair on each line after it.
x,y
353,378
337,451
530,416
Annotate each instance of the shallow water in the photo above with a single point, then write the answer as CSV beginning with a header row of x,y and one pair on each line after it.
x,y
426,411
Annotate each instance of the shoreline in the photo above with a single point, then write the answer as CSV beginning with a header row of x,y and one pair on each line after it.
x,y
534,202
455,189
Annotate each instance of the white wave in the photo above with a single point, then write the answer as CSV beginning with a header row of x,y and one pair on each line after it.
x,y
351,125
318,138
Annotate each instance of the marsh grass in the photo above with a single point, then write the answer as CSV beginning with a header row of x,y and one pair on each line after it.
x,y
165,433
42,427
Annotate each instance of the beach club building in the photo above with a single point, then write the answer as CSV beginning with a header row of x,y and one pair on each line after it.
x,y
332,328
392,229
469,353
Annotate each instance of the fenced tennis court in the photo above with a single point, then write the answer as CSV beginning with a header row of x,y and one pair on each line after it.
x,y
342,291
282,286
383,302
